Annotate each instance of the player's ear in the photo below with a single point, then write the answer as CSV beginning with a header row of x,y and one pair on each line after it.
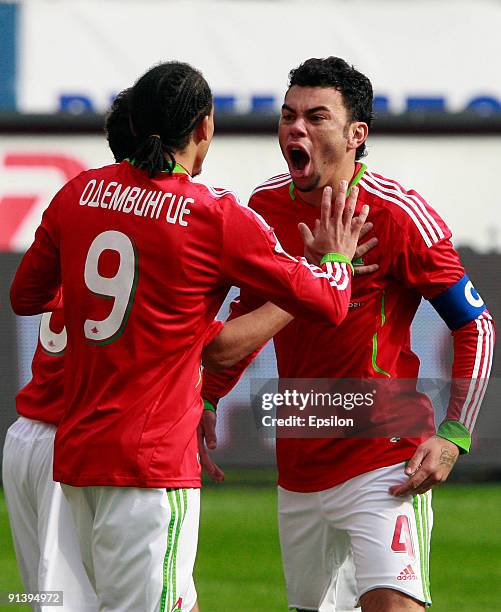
x,y
202,131
357,134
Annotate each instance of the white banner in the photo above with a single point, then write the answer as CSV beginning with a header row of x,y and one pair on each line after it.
x,y
78,54
455,175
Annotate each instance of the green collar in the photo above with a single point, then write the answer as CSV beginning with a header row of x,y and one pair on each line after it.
x,y
178,169
354,181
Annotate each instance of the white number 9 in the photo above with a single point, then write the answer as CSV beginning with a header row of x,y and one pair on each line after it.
x,y
121,287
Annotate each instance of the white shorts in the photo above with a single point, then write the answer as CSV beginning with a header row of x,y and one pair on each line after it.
x,y
388,537
42,526
138,545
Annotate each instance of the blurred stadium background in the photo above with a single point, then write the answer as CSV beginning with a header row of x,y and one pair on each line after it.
x,y
438,129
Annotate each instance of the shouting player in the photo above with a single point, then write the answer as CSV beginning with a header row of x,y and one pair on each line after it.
x,y
145,257
367,497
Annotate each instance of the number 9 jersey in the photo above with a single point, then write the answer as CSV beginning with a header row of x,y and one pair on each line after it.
x,y
145,265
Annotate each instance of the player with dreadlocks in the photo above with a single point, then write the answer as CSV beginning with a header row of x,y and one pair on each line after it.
x,y
145,274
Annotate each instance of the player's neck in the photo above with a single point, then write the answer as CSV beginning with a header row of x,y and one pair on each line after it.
x,y
188,157
346,171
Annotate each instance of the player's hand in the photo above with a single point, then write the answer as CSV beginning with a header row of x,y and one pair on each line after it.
x,y
431,465
206,434
363,249
337,231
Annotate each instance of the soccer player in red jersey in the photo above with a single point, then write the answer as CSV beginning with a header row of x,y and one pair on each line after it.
x,y
42,527
342,497
145,257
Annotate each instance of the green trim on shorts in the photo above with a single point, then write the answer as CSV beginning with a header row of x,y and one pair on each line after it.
x,y
420,504
177,514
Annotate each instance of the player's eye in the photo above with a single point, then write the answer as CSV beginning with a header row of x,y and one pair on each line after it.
x,y
287,117
317,118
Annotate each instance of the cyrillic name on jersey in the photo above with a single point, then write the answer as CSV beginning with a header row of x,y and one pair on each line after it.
x,y
140,202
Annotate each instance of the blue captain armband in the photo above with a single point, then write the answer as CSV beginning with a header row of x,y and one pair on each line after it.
x,y
459,304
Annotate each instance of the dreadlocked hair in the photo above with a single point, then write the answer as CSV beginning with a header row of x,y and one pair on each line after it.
x,y
117,127
166,105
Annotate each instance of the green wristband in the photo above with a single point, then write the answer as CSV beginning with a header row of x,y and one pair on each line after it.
x,y
455,432
209,406
339,258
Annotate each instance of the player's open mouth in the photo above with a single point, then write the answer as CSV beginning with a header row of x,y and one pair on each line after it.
x,y
299,161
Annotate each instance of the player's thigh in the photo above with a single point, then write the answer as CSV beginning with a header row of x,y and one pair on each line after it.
x,y
144,546
60,567
312,549
81,501
20,497
343,594
390,538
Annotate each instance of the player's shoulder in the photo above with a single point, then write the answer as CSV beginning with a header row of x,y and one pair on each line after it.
x,y
93,174
273,190
275,185
217,196
404,205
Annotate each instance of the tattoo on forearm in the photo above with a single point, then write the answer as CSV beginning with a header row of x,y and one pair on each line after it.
x,y
447,458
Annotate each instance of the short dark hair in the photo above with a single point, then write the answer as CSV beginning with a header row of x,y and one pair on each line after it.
x,y
354,86
166,104
117,127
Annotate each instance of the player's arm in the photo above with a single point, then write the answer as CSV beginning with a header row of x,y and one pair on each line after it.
x,y
253,259
248,329
436,271
36,285
242,336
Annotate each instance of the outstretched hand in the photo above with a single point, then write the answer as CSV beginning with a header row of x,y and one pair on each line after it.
x,y
336,232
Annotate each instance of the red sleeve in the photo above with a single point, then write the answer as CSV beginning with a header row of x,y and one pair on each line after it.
x,y
36,285
212,331
217,385
426,260
471,368
253,259
428,265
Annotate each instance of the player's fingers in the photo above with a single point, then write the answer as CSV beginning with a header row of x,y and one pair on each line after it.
x,y
349,209
364,248
361,270
357,223
209,420
409,487
306,234
366,228
211,468
339,203
415,461
217,472
426,485
326,206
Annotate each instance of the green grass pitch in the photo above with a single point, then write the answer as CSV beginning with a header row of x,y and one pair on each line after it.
x,y
238,566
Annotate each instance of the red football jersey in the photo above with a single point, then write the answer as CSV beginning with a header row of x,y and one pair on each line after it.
x,y
42,398
416,258
145,265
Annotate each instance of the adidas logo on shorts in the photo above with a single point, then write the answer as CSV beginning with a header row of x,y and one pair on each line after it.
x,y
407,574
